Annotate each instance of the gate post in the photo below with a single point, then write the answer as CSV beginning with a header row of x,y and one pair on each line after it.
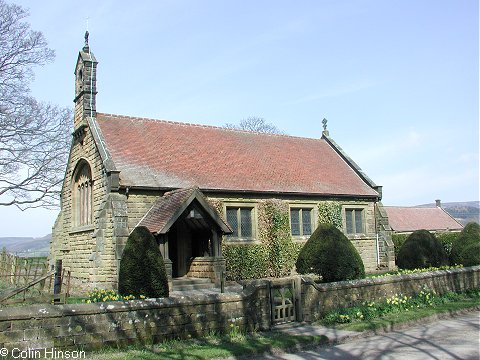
x,y
297,287
57,283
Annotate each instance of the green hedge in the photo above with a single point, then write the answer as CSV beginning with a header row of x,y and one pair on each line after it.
x,y
398,240
447,239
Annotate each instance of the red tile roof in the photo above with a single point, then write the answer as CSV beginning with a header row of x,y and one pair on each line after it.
x,y
163,154
166,210
408,219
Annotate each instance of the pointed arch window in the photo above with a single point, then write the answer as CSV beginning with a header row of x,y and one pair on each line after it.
x,y
82,195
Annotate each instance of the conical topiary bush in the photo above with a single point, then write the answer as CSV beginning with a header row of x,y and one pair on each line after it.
x,y
421,250
466,247
330,254
142,270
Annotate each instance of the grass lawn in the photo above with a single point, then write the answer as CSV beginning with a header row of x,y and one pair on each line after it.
x,y
396,318
213,347
216,346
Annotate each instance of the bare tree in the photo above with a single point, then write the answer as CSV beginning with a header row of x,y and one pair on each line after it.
x,y
256,124
34,136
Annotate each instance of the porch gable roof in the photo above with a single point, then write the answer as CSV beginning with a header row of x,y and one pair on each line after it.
x,y
168,208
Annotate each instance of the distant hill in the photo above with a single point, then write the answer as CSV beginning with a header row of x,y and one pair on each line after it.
x,y
26,246
463,212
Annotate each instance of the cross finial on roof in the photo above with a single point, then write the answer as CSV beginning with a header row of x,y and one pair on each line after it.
x,y
325,131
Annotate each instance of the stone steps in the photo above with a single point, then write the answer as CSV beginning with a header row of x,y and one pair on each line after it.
x,y
188,283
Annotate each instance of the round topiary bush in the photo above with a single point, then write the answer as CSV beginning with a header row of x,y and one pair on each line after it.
x,y
330,254
470,256
467,241
421,250
142,271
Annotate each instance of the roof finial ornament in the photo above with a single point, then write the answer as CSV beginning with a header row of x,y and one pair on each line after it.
x,y
86,38
325,131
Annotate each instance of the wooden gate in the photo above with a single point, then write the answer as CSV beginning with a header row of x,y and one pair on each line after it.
x,y
284,297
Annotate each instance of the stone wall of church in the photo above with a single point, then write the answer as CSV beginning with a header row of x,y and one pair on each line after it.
x,y
138,204
75,245
365,243
93,253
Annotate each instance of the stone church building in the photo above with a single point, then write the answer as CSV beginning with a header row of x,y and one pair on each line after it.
x,y
196,188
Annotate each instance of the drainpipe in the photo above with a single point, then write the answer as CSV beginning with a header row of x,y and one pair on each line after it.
x,y
377,245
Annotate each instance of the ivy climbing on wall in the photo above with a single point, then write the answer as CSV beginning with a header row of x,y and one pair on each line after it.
x,y
217,204
275,253
274,233
330,212
245,261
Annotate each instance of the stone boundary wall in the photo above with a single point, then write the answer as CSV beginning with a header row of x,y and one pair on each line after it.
x,y
83,327
93,326
317,299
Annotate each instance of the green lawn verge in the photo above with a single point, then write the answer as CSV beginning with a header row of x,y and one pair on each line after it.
x,y
389,320
213,346
399,309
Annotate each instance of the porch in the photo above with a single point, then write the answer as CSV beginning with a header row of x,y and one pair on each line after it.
x,y
189,233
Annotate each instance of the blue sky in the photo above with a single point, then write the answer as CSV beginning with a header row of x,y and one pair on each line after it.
x,y
398,80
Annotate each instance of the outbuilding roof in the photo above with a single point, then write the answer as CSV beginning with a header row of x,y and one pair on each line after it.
x,y
409,219
170,155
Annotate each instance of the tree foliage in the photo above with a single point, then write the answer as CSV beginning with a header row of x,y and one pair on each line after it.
x,y
256,124
34,136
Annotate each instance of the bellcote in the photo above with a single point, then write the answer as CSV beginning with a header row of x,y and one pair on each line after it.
x,y
85,85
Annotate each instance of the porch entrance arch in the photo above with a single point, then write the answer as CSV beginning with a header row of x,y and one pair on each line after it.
x,y
189,232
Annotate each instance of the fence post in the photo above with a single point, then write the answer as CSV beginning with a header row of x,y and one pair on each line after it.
x,y
222,282
57,283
